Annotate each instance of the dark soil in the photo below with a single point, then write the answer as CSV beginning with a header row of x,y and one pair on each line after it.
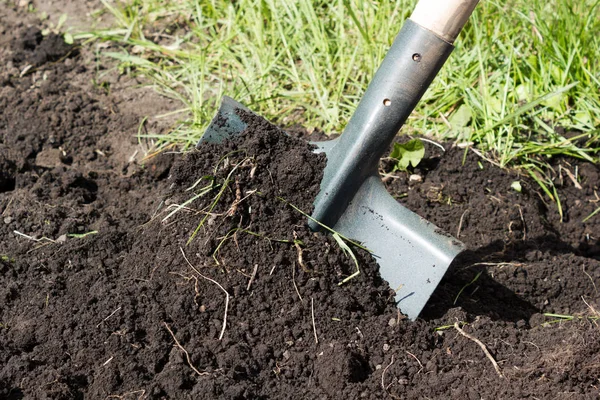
x,y
107,292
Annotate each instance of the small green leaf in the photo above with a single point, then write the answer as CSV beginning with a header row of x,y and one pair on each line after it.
x,y
557,73
409,153
516,185
583,117
461,117
533,62
556,102
494,103
68,38
61,21
522,92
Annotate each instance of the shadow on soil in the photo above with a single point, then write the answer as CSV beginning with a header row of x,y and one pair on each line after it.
x,y
468,283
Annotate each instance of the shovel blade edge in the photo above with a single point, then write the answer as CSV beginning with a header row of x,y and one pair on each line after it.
x,y
226,123
412,253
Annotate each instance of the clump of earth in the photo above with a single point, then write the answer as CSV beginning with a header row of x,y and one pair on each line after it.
x,y
192,276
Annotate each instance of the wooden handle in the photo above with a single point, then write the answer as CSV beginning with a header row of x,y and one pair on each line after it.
x,y
445,18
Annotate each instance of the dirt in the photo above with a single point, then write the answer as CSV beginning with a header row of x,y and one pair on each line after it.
x,y
114,283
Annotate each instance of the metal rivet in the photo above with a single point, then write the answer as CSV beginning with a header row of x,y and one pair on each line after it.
x,y
416,57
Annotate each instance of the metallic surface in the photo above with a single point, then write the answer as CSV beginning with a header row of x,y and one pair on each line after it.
x,y
403,77
226,122
412,254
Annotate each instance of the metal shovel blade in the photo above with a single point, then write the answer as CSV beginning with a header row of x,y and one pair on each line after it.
x,y
413,254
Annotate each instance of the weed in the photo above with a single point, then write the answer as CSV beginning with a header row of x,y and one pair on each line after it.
x,y
82,235
347,251
466,286
202,192
446,327
330,230
234,231
339,238
596,211
217,197
563,318
210,187
409,153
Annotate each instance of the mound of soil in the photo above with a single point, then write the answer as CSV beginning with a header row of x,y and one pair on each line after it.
x,y
195,275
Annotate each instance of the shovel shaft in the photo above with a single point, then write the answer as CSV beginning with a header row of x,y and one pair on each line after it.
x,y
416,56
412,254
410,65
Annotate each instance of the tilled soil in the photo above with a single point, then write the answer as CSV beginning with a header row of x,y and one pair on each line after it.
x,y
195,276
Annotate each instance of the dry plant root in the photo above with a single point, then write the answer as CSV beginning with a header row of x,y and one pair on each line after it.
x,y
216,283
238,199
252,277
299,249
187,355
383,386
294,281
312,312
483,347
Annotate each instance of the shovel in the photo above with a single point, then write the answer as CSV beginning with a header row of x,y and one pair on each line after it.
x,y
413,254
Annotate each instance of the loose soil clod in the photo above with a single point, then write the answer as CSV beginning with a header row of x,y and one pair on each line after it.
x,y
123,294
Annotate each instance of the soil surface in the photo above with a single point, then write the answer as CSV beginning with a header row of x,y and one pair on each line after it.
x,y
195,276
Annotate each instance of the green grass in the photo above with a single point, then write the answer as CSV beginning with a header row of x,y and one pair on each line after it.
x,y
520,69
564,318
